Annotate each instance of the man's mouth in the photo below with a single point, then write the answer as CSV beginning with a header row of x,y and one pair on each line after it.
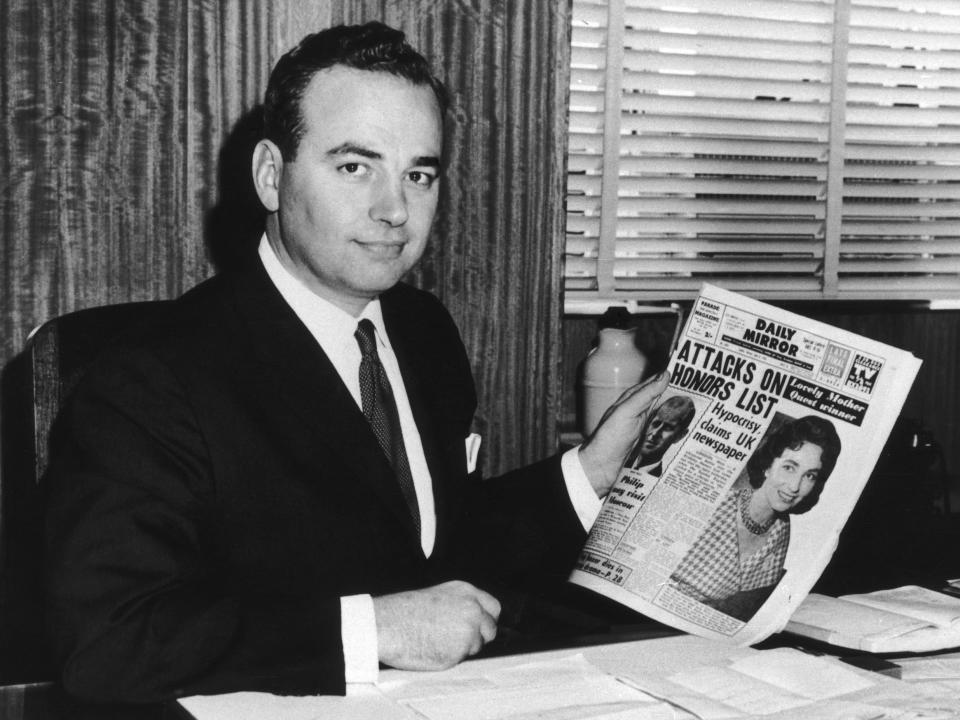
x,y
384,250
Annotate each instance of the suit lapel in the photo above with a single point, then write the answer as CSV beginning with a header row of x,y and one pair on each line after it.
x,y
298,385
428,385
405,346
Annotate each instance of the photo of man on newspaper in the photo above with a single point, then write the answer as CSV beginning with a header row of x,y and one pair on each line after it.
x,y
666,426
738,560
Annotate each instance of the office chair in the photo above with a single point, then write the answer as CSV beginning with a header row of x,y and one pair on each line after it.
x,y
36,384
63,348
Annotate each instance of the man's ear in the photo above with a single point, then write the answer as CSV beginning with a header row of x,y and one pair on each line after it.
x,y
267,169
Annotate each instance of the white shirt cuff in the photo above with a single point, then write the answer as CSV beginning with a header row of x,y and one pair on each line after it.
x,y
358,631
582,496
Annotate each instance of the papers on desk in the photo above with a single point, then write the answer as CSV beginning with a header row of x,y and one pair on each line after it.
x,y
933,676
567,688
713,681
679,678
688,675
767,683
936,667
906,619
363,703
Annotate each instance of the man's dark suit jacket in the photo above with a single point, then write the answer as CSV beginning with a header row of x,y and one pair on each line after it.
x,y
215,489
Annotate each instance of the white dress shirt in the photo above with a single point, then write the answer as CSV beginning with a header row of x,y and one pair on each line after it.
x,y
334,329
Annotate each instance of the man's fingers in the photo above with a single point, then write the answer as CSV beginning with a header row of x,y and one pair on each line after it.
x,y
488,628
490,605
436,627
489,614
642,395
603,453
476,645
651,387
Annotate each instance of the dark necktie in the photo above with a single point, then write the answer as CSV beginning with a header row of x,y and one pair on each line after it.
x,y
380,410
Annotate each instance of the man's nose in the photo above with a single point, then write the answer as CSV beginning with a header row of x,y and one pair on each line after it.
x,y
389,203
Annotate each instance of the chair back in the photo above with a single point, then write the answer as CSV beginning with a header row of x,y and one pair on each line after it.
x,y
63,348
36,384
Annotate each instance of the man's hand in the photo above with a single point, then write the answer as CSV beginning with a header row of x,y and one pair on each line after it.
x,y
434,628
603,452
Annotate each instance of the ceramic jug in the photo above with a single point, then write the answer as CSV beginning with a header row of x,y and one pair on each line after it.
x,y
614,365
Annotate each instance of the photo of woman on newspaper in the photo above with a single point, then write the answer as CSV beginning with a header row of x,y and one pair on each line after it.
x,y
738,560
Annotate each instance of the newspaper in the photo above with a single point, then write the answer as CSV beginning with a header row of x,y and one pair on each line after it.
x,y
731,503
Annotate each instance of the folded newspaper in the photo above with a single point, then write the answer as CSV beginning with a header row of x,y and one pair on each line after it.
x,y
903,619
730,506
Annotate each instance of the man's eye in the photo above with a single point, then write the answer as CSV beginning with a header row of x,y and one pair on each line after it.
x,y
422,178
353,169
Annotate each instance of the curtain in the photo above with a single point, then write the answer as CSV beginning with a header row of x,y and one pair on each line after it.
x,y
114,113
125,175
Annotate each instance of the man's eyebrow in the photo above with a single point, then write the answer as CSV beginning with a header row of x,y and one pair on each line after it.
x,y
349,148
427,161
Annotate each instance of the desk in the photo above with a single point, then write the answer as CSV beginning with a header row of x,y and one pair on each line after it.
x,y
582,620
566,616
46,701
708,678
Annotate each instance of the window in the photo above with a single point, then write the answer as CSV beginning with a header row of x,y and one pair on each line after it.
x,y
793,149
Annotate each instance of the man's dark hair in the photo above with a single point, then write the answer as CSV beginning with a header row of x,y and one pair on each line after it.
x,y
793,434
373,46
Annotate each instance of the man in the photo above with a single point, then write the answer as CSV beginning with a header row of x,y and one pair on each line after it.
x,y
269,490
667,425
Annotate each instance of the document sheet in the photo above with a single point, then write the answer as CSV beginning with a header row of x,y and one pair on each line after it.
x,y
680,677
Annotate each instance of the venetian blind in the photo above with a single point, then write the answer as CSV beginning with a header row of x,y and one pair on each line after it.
x,y
782,148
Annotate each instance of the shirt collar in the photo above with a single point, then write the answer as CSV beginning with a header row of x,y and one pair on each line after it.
x,y
325,321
